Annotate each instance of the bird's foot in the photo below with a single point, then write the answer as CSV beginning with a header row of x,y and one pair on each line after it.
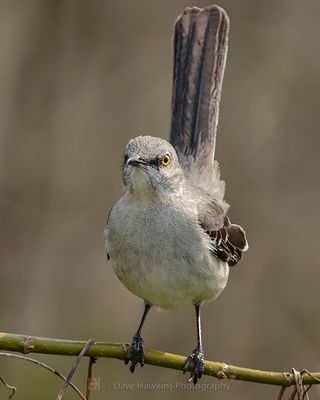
x,y
196,362
135,352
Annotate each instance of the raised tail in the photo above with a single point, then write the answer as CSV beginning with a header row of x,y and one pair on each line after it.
x,y
200,51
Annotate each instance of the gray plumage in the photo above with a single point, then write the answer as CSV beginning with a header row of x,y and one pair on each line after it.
x,y
168,236
200,52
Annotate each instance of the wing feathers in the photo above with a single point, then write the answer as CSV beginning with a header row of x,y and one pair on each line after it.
x,y
228,241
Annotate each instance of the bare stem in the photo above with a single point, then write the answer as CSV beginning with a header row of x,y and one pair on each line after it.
x,y
41,364
92,360
13,388
67,381
28,344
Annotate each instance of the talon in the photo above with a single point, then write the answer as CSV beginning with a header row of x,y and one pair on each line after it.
x,y
135,353
197,360
186,365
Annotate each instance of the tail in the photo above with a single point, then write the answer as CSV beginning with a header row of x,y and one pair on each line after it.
x,y
200,51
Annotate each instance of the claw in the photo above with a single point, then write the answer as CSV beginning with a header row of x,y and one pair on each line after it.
x,y
195,359
135,353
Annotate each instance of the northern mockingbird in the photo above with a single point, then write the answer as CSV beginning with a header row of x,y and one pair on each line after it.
x,y
168,236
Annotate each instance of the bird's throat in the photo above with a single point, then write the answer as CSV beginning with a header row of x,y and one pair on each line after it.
x,y
141,187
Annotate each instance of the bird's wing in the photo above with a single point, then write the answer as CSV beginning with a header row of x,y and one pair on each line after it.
x,y
200,50
228,241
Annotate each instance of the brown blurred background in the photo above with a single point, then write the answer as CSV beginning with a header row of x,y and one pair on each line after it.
x,y
78,79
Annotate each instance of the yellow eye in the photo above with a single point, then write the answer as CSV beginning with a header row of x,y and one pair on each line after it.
x,y
166,160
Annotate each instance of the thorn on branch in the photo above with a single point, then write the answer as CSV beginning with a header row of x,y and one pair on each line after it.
x,y
27,345
222,374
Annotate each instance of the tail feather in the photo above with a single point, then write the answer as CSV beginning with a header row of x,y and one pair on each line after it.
x,y
200,50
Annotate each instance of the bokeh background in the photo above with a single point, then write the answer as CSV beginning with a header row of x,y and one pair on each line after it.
x,y
78,79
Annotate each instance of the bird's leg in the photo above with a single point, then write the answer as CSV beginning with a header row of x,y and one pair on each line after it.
x,y
196,359
135,352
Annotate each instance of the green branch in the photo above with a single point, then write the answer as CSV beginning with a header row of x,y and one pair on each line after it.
x,y
32,344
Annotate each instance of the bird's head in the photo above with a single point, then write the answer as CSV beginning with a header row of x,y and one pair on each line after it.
x,y
151,167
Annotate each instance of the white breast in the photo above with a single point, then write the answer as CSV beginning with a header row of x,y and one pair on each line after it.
x,y
162,255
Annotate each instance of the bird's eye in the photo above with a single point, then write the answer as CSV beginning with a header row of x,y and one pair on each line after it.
x,y
165,161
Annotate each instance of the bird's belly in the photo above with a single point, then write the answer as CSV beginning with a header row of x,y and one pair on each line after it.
x,y
168,263
171,288
166,279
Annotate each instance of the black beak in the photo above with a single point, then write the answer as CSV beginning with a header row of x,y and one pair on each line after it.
x,y
136,161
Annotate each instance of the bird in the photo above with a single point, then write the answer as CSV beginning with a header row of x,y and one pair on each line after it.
x,y
168,236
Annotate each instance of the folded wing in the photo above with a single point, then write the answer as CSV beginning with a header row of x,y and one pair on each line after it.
x,y
228,241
